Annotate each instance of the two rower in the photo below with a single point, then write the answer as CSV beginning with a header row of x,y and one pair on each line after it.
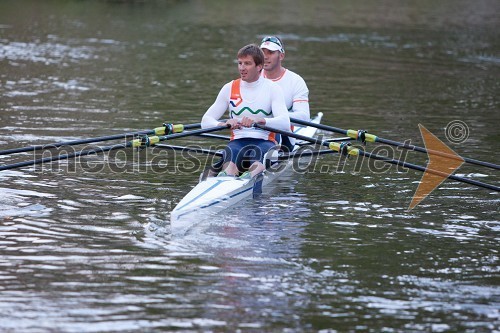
x,y
255,99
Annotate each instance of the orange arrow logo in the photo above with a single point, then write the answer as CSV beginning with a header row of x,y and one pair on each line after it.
x,y
444,165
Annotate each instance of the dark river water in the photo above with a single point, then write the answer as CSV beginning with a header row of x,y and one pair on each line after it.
x,y
85,244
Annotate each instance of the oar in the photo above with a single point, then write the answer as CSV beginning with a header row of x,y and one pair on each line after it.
x,y
298,154
164,130
288,156
216,136
144,142
190,149
227,138
342,139
366,137
355,151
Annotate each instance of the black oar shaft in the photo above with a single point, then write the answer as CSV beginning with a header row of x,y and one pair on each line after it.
x,y
73,142
195,132
424,169
190,149
106,148
62,157
299,154
85,141
400,144
385,159
319,126
216,136
437,153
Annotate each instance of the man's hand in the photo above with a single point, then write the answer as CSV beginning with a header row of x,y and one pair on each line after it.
x,y
249,121
234,123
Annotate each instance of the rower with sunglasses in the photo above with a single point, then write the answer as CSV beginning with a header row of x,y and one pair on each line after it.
x,y
293,85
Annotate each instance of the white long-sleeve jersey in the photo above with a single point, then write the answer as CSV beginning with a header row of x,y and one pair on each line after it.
x,y
296,94
260,98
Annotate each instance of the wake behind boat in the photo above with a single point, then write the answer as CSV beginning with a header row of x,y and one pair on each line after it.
x,y
215,194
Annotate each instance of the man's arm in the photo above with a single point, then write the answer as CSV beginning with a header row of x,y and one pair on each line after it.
x,y
217,110
300,104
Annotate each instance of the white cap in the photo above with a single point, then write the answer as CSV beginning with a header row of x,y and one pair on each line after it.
x,y
272,43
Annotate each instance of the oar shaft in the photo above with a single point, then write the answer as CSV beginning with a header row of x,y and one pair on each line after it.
x,y
195,132
399,144
216,136
153,140
437,153
190,149
62,157
107,148
319,126
424,169
89,140
385,159
73,142
293,135
299,154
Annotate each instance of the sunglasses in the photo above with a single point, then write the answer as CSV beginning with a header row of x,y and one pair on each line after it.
x,y
274,40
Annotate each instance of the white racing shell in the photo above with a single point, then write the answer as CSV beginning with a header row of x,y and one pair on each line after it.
x,y
215,194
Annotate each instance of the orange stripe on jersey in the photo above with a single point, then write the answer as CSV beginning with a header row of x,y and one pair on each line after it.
x,y
300,100
235,98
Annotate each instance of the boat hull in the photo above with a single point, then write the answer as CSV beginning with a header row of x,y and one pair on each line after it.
x,y
215,194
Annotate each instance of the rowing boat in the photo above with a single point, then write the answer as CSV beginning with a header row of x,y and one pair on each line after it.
x,y
215,194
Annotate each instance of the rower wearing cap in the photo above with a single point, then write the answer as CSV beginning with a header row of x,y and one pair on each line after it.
x,y
293,85
249,99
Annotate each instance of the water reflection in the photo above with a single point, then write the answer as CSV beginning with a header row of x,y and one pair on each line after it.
x,y
92,251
